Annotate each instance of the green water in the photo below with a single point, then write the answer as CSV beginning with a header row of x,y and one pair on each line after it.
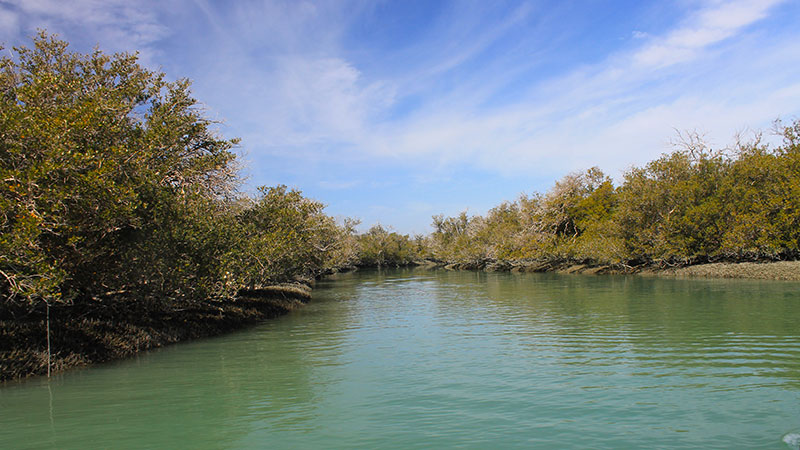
x,y
406,359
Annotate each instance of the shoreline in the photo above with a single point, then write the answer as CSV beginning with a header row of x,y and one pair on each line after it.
x,y
774,270
771,270
86,334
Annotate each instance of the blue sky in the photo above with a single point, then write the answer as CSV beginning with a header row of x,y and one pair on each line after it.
x,y
393,111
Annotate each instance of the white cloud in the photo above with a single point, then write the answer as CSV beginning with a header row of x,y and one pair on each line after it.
x,y
710,26
117,25
299,103
339,185
8,23
327,96
280,74
615,113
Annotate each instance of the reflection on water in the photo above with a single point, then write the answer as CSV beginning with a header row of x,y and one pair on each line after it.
x,y
413,358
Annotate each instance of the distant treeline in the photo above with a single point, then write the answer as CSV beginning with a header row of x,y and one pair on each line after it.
x,y
693,205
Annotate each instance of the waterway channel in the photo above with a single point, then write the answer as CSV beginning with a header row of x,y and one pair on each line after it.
x,y
440,359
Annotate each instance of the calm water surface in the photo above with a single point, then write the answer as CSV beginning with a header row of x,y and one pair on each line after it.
x,y
405,359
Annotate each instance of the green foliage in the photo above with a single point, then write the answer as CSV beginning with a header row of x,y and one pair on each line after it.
x,y
113,181
690,205
94,148
576,215
282,235
499,229
459,239
761,196
697,204
382,247
572,221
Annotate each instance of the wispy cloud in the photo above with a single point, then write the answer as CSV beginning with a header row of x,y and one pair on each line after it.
x,y
619,111
118,25
9,22
713,24
326,96
339,185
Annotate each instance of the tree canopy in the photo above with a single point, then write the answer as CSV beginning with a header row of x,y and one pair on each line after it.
x,y
112,179
692,205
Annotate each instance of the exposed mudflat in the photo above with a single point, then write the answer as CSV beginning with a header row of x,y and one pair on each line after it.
x,y
87,333
776,270
779,270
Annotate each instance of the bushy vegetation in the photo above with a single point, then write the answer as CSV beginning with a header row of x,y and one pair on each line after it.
x,y
118,199
695,204
114,183
379,247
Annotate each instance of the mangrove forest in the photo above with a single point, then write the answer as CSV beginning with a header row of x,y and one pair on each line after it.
x,y
124,225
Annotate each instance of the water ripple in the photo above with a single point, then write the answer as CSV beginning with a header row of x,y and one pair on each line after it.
x,y
453,359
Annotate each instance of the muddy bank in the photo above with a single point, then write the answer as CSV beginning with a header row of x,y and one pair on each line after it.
x,y
778,270
88,333
773,270
533,266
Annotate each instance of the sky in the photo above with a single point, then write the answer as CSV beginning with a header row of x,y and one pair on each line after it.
x,y
393,111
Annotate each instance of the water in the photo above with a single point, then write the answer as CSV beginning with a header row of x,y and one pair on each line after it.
x,y
410,359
